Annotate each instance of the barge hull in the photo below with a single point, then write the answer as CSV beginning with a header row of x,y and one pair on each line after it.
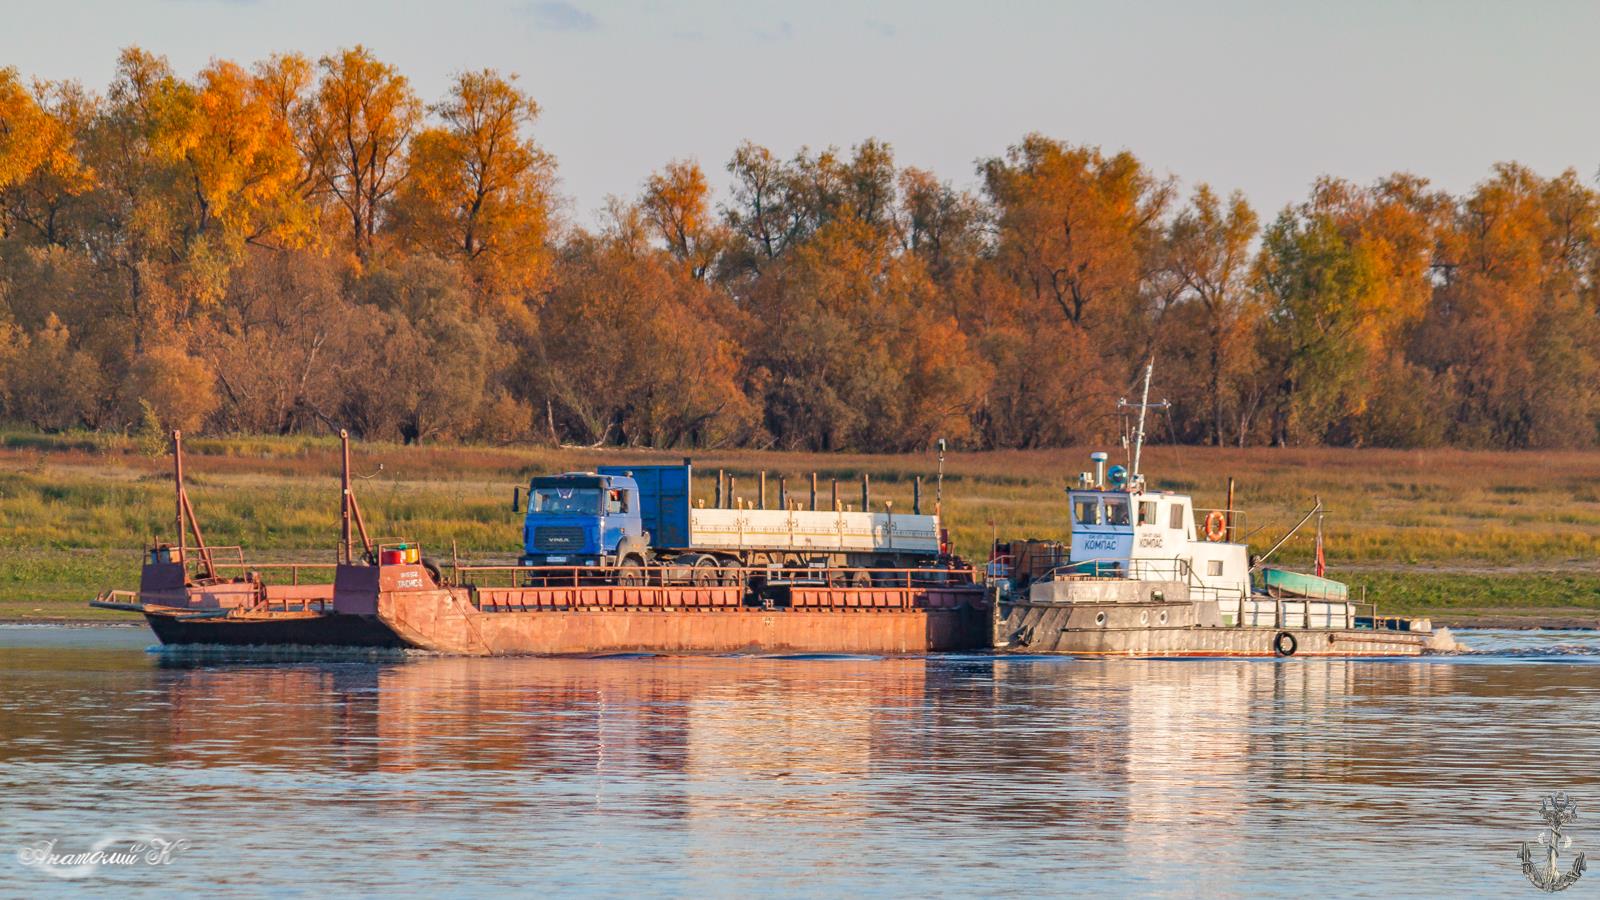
x,y
446,621
1133,630
315,630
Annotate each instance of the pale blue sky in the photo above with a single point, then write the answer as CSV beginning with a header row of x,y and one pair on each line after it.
x,y
1260,96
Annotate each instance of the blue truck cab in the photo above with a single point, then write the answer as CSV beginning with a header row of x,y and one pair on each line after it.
x,y
581,519
602,518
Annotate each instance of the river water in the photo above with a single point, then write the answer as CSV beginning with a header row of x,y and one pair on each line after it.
x,y
956,775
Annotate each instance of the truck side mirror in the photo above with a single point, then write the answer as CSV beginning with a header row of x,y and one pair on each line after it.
x,y
516,499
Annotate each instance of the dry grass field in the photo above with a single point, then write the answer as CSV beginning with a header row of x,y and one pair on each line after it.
x,y
1444,530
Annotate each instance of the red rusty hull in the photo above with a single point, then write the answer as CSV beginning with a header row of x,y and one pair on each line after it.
x,y
401,605
447,621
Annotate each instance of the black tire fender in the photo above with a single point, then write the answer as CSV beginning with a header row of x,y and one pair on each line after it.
x,y
1285,644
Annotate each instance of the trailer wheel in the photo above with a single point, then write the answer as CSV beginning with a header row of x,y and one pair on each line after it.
x,y
861,579
730,572
631,572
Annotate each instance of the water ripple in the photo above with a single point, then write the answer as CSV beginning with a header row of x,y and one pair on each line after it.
x,y
945,776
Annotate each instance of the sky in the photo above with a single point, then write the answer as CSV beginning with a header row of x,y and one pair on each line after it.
x,y
1261,97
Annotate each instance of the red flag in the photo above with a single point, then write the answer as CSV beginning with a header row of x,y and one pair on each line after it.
x,y
1322,562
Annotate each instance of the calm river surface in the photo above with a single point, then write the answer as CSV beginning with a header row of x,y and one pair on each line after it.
x,y
814,777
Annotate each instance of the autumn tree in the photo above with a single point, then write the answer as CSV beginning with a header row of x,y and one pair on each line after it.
x,y
1075,226
1345,276
940,224
47,383
856,352
1207,251
635,350
285,82
479,189
40,166
361,117
141,220
240,154
776,205
676,205
422,362
1513,325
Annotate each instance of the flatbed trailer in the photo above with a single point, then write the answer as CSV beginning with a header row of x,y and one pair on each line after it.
x,y
637,517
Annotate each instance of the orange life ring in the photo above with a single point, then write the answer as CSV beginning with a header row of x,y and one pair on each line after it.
x,y
1216,525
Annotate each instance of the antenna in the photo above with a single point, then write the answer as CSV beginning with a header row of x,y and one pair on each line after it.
x,y
1144,405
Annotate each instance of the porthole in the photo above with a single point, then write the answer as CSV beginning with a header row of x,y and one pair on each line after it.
x,y
1144,618
1100,618
1162,618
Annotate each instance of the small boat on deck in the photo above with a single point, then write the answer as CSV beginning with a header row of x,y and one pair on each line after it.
x,y
1285,583
1149,575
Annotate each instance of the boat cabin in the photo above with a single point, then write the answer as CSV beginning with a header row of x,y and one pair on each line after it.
x,y
1121,530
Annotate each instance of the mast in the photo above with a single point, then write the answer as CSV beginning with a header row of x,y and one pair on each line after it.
x,y
177,484
186,516
1144,405
344,498
349,508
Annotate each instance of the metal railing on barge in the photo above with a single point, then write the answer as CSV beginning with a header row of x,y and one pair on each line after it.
x,y
275,582
514,587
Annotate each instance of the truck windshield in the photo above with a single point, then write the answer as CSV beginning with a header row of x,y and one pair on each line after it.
x,y
578,501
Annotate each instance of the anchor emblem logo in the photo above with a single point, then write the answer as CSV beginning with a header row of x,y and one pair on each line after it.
x,y
1541,858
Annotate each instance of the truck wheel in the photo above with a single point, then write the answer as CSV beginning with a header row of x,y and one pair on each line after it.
x,y
730,573
631,572
706,572
860,579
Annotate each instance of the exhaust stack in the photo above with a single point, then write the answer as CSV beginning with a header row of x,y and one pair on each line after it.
x,y
1099,458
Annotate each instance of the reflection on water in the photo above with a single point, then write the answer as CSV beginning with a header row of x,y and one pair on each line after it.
x,y
953,775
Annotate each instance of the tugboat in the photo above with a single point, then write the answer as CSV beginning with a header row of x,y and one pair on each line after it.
x,y
1150,575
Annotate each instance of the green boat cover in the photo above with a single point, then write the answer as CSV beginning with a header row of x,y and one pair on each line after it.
x,y
1298,584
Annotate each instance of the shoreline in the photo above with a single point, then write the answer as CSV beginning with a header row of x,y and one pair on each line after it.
x,y
1584,622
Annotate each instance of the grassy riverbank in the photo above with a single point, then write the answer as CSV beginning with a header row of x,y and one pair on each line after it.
x,y
1453,533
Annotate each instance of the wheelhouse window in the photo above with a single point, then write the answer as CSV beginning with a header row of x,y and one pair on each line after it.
x,y
573,501
1116,511
1213,567
1086,511
1147,512
1177,516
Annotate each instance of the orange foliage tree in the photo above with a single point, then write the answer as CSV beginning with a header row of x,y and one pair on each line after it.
x,y
292,246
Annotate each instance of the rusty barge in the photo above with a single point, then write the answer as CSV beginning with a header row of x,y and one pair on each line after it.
x,y
386,593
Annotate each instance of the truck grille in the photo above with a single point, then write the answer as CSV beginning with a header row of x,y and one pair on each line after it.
x,y
558,537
